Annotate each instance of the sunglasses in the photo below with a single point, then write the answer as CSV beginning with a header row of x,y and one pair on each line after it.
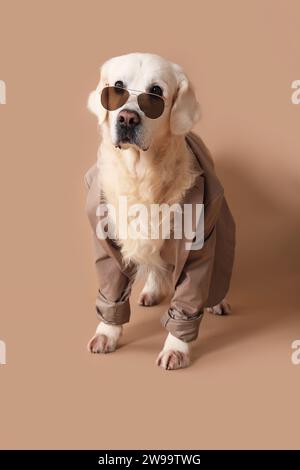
x,y
113,97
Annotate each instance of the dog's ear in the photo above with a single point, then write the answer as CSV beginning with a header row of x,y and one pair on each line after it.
x,y
185,111
94,100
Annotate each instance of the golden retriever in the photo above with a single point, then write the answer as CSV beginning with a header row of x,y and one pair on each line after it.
x,y
143,155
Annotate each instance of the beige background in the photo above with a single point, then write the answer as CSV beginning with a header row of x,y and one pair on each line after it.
x,y
242,390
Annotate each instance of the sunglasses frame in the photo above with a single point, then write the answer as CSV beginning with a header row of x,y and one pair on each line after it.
x,y
136,93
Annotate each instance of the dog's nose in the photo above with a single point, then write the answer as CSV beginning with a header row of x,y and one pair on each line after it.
x,y
128,118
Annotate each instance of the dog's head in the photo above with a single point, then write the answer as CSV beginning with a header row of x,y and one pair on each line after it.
x,y
151,98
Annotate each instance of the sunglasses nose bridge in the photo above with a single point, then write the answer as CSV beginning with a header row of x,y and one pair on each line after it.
x,y
132,100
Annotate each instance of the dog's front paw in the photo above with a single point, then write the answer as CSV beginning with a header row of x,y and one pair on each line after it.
x,y
171,360
101,344
175,354
223,308
105,339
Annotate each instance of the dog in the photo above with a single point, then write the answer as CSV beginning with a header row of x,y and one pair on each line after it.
x,y
146,107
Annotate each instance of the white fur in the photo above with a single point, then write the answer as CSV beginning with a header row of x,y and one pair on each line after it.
x,y
175,344
174,355
157,286
152,284
112,331
137,70
105,339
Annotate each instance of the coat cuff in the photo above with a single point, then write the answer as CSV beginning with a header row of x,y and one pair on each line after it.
x,y
113,313
182,326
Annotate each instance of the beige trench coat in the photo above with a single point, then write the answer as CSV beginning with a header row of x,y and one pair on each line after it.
x,y
200,277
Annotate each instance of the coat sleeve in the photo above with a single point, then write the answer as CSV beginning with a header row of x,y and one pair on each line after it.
x,y
192,289
114,283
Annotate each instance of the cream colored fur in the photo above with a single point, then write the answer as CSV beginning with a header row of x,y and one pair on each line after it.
x,y
160,175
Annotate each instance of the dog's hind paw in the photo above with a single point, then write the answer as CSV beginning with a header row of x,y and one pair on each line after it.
x,y
223,308
147,299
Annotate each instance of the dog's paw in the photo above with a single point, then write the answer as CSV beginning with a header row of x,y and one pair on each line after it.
x,y
101,344
154,289
147,299
175,354
105,339
171,360
223,308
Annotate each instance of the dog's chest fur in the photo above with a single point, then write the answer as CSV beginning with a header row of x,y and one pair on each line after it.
x,y
144,179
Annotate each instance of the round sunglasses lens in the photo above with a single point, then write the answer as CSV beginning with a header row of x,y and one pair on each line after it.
x,y
113,97
152,105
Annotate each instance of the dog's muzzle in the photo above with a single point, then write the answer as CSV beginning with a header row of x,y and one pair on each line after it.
x,y
128,125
